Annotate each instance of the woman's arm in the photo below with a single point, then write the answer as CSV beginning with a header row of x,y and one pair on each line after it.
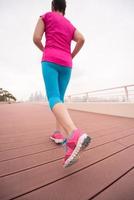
x,y
38,33
79,39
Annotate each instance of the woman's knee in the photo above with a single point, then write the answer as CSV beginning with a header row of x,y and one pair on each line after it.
x,y
53,101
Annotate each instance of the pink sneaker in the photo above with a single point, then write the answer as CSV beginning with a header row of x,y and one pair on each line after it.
x,y
57,137
74,144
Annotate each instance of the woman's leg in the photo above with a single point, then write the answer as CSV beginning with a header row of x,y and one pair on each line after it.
x,y
61,113
60,110
58,126
51,79
55,95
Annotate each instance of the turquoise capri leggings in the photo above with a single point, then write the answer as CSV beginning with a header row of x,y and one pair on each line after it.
x,y
56,79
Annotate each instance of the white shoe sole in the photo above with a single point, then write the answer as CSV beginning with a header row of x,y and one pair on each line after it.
x,y
57,141
82,143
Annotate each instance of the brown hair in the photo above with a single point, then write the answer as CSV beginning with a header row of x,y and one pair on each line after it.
x,y
59,5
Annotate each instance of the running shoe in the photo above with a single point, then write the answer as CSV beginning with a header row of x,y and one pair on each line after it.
x,y
74,144
57,137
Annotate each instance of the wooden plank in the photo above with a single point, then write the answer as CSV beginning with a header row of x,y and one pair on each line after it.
x,y
123,189
35,134
105,121
35,139
24,151
24,143
16,114
127,140
28,180
113,137
25,109
14,153
25,162
84,184
25,135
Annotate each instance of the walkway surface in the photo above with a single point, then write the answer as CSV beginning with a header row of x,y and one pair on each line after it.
x,y
31,165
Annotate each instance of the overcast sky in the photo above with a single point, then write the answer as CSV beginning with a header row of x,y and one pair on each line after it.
x,y
106,60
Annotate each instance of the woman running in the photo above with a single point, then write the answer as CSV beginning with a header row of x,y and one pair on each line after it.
x,y
56,70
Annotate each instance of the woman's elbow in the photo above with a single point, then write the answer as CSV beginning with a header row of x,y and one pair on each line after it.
x,y
36,39
82,40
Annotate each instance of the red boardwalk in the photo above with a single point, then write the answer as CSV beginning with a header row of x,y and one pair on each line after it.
x,y
31,164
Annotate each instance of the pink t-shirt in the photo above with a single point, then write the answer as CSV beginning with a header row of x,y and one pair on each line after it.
x,y
58,32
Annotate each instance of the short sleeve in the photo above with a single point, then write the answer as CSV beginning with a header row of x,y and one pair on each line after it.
x,y
73,30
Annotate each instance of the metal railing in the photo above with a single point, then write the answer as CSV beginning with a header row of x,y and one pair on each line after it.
x,y
116,94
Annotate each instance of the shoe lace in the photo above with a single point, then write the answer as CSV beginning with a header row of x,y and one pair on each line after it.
x,y
64,145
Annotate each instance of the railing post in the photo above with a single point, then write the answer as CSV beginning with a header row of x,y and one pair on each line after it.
x,y
126,92
69,98
87,97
